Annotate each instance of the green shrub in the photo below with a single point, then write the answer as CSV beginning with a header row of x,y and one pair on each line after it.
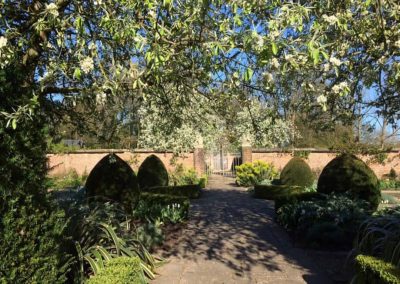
x,y
159,206
152,172
297,173
113,179
150,234
70,180
298,197
120,270
31,228
379,236
191,191
337,214
347,173
272,192
371,270
249,174
183,176
203,181
390,184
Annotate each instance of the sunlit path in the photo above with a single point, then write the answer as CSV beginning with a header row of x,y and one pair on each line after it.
x,y
232,238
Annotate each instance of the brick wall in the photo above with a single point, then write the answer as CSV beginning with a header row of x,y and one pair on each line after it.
x,y
84,161
318,160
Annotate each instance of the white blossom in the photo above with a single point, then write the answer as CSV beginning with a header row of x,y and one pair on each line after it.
x,y
326,67
275,63
52,9
101,98
336,89
268,77
397,43
322,99
330,19
87,64
3,41
335,61
98,2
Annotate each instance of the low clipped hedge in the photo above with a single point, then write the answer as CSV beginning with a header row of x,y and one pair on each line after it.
x,y
190,191
298,197
120,270
272,192
371,270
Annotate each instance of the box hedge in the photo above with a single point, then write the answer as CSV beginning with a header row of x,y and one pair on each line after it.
x,y
113,179
152,172
190,191
347,173
272,192
120,270
152,201
297,173
372,270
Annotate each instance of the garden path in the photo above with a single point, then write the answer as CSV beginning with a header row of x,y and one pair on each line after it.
x,y
232,238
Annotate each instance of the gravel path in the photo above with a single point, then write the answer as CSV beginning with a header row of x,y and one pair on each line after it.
x,y
232,238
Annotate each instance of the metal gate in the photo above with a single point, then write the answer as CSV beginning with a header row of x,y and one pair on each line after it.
x,y
223,163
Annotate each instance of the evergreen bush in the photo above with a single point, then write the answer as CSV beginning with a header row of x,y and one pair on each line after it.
x,y
152,172
347,173
113,179
249,174
297,173
120,270
31,228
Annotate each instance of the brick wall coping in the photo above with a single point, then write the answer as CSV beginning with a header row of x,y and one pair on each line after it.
x,y
311,150
101,151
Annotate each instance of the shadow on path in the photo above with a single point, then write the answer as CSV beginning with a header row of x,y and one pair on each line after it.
x,y
230,238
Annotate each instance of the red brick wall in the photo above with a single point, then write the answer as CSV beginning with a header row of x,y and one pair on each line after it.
x,y
318,160
84,161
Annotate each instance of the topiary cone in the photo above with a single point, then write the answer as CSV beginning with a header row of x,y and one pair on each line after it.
x,y
152,172
347,173
297,173
113,179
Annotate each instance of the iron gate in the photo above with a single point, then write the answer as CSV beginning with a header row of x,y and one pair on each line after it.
x,y
223,163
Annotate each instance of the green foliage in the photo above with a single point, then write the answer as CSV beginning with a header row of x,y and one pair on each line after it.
x,y
347,173
182,176
150,234
152,172
191,191
298,197
70,180
390,184
302,154
249,174
113,179
103,231
31,227
203,181
61,148
372,270
379,236
166,208
297,173
336,215
120,270
273,192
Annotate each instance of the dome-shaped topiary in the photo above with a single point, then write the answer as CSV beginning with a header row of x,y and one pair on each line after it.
x,y
297,173
347,173
152,172
113,179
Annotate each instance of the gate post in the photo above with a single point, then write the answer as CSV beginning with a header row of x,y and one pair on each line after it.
x,y
247,152
199,158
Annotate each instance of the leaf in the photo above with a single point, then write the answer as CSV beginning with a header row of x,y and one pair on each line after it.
x,y
315,55
14,123
274,48
248,74
77,73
